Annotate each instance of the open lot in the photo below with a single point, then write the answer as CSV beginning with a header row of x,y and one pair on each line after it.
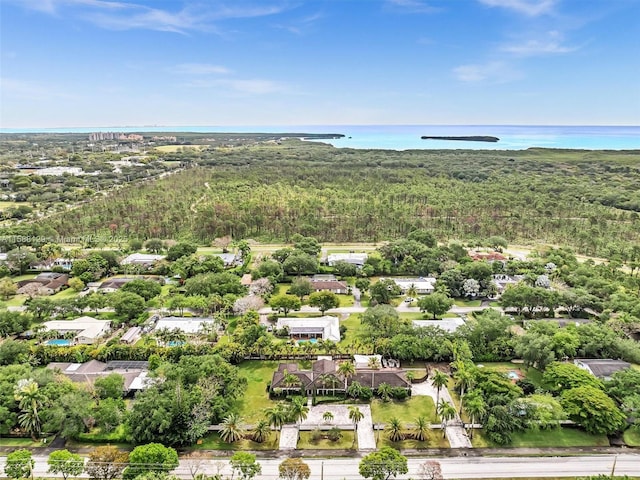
x,y
256,399
406,411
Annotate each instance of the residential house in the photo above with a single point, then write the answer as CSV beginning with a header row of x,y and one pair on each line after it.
x,y
113,284
422,285
329,284
229,260
188,325
134,373
357,259
601,368
144,260
45,265
132,335
44,284
502,281
324,379
480,256
87,330
449,325
325,328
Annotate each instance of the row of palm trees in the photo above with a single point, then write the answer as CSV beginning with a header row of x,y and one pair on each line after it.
x,y
233,430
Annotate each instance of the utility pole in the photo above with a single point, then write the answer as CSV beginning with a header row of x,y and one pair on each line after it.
x,y
322,470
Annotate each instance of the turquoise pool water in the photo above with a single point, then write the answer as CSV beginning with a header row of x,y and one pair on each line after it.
x,y
313,340
59,342
175,343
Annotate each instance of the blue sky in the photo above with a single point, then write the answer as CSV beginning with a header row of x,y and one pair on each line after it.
x,y
67,63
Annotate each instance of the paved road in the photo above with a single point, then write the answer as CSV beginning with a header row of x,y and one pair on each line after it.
x,y
359,309
459,467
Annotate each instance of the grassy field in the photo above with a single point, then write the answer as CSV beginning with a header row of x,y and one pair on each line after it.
x,y
256,398
406,411
561,437
16,301
66,293
632,437
176,148
24,442
353,325
434,440
345,443
467,303
213,442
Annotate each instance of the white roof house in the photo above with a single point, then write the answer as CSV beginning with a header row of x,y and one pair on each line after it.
x,y
141,259
88,329
423,285
188,325
357,259
327,327
362,361
447,324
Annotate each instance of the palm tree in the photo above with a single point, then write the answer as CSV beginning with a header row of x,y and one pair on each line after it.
x,y
231,430
421,429
261,431
290,380
439,380
374,363
276,416
447,412
384,390
347,370
412,291
356,416
29,400
394,430
464,380
327,417
298,409
475,407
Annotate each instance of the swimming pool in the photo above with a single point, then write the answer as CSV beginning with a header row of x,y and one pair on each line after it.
x,y
513,375
175,343
58,342
312,340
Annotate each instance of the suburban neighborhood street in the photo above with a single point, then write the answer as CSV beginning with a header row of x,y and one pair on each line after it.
x,y
452,468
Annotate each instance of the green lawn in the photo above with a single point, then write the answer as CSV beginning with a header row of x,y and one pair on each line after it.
x,y
560,437
346,300
406,411
467,303
632,437
353,325
16,301
213,442
66,293
345,443
434,440
24,442
256,398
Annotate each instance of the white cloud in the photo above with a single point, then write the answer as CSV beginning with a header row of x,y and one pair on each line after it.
x,y
412,6
115,15
532,8
200,69
29,90
492,72
551,44
240,86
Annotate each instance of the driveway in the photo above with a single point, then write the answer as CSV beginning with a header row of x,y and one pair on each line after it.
x,y
366,437
456,434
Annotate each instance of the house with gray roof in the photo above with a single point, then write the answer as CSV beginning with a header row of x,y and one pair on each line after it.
x,y
603,368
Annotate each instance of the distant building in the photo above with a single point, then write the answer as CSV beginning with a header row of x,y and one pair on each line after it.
x,y
422,285
87,329
188,325
449,325
229,259
490,257
601,368
325,328
357,259
134,373
143,259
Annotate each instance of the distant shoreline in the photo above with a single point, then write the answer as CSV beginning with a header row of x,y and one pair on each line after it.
x,y
473,138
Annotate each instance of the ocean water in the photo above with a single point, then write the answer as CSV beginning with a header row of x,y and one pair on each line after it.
x,y
406,137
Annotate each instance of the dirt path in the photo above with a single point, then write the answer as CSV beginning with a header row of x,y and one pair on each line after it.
x,y
194,205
